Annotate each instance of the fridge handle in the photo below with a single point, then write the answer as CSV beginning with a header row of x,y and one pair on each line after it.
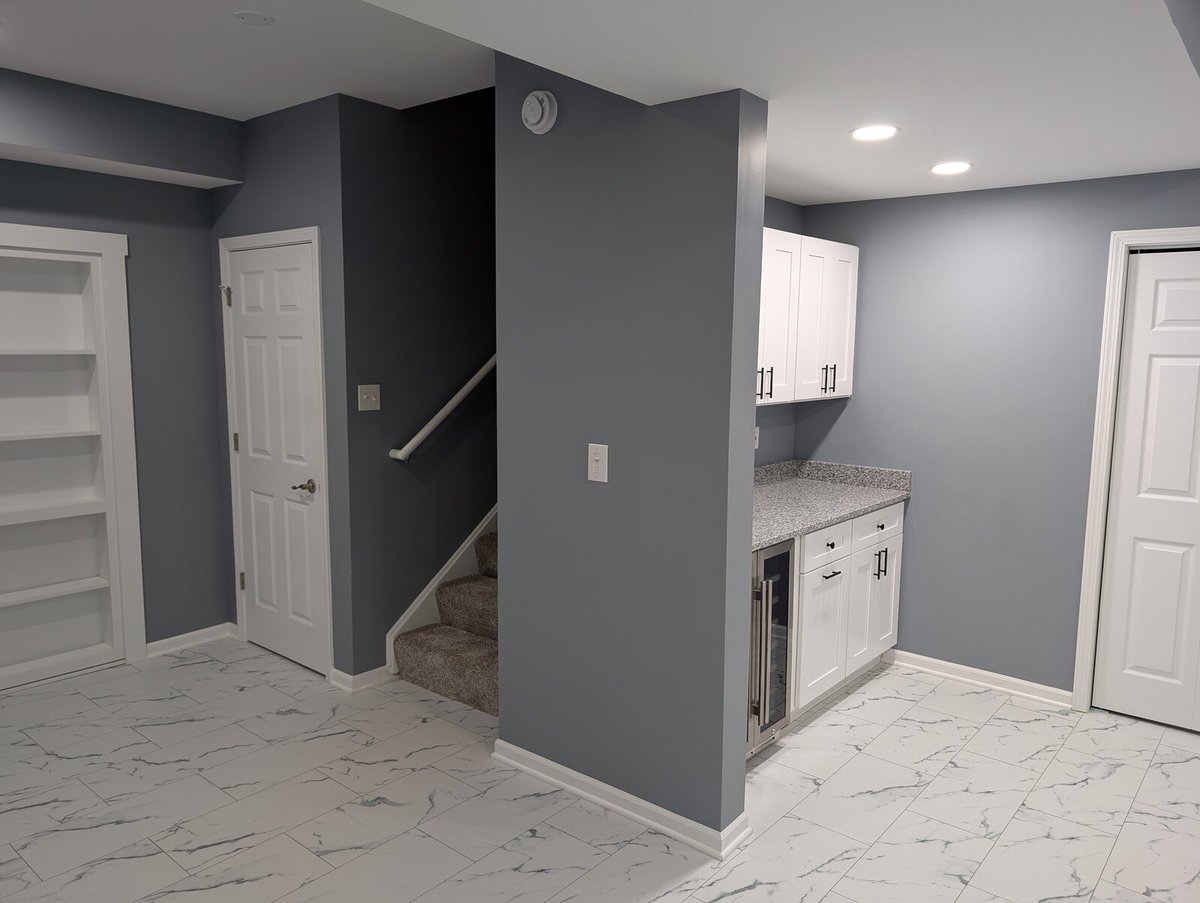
x,y
764,655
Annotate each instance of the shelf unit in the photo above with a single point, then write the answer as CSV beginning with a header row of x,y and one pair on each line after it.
x,y
70,557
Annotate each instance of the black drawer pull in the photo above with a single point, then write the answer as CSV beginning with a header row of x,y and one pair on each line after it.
x,y
771,383
825,378
884,567
880,527
831,545
830,576
759,391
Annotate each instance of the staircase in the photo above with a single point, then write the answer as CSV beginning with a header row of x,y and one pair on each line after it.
x,y
459,658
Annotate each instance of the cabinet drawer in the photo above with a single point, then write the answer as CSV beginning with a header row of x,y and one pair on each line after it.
x,y
822,547
878,526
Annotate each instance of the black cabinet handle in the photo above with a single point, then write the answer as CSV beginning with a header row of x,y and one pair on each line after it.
x,y
771,383
880,527
825,378
833,385
884,569
759,391
831,545
830,576
878,564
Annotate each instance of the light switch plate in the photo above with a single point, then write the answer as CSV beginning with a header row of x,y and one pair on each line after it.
x,y
597,463
368,398
756,438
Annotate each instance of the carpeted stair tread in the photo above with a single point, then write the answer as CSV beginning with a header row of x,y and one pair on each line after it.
x,y
486,553
469,603
459,665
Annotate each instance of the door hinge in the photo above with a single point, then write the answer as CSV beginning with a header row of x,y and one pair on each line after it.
x,y
235,442
227,294
242,580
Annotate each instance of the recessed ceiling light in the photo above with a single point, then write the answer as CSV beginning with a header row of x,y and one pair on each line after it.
x,y
950,168
874,132
250,17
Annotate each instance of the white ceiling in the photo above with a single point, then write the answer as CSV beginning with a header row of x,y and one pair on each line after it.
x,y
192,53
1028,90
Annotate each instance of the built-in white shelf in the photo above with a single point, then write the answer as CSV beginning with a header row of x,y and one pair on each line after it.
x,y
47,352
52,591
32,435
32,514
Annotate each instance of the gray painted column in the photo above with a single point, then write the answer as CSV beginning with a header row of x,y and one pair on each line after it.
x,y
628,255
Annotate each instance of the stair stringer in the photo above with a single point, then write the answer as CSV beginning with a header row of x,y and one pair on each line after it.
x,y
424,610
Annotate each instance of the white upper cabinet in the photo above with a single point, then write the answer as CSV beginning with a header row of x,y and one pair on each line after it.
x,y
806,319
777,320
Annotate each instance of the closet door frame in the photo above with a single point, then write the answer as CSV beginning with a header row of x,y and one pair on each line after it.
x,y
1120,245
105,253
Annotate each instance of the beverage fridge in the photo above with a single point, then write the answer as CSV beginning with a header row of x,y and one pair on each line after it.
x,y
770,655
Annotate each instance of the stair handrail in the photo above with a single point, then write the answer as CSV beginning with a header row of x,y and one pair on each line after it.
x,y
405,452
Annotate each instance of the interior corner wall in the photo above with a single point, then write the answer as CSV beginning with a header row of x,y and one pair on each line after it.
x,y
293,179
418,221
628,254
977,353
175,349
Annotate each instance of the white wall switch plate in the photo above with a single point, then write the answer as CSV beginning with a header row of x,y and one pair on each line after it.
x,y
597,463
368,398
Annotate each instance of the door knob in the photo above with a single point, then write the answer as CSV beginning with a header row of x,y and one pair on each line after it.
x,y
310,486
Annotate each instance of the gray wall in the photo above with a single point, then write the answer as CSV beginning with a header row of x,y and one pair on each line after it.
x,y
978,342
418,220
44,114
628,255
780,214
293,179
175,351
1186,16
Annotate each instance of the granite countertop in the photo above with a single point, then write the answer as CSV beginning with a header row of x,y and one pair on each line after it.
x,y
796,497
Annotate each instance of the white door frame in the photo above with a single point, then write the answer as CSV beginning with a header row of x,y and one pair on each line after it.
x,y
1102,441
309,235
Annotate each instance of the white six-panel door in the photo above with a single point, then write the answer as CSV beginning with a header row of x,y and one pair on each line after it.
x,y
277,406
1148,648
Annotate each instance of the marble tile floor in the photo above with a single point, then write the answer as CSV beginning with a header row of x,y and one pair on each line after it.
x,y
225,773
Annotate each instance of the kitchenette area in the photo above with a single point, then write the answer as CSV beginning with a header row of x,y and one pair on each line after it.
x,y
828,538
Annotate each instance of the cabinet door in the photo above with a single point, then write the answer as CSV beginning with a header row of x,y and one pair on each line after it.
x,y
829,272
885,596
777,317
822,641
812,371
860,642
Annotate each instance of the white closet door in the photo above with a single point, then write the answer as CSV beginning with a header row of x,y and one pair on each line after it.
x,y
278,399
777,317
1148,649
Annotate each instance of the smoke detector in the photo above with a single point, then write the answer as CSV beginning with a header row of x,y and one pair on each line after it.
x,y
539,111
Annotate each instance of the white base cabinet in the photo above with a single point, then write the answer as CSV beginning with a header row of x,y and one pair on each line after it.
x,y
848,603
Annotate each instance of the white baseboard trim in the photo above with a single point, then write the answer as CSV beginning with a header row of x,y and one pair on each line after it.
x,y
352,683
980,678
188,640
423,610
718,844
